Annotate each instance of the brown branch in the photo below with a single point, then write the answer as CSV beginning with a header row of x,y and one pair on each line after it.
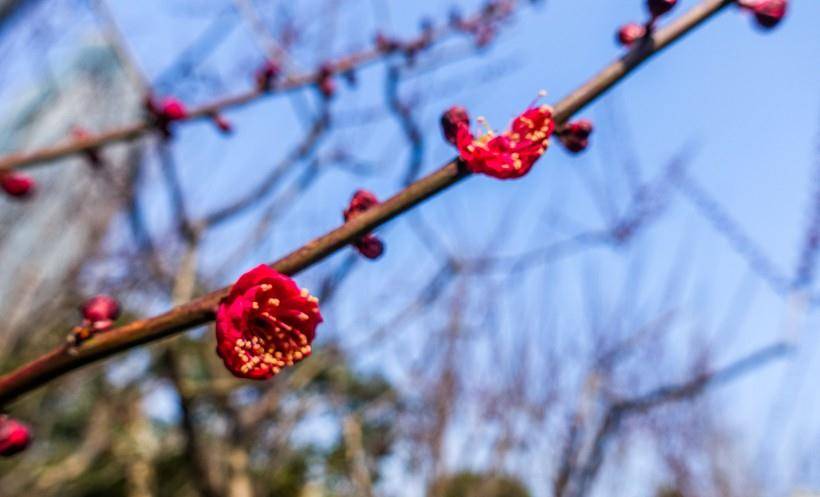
x,y
200,311
133,131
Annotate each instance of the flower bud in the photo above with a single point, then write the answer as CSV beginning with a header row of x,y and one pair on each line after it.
x,y
172,109
769,13
14,436
575,135
660,7
324,81
267,74
16,184
100,308
370,246
222,123
630,33
451,120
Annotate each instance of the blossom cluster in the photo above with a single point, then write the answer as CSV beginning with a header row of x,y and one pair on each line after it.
x,y
369,245
507,155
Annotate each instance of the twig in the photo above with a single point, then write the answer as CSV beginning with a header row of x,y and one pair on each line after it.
x,y
202,310
130,132
620,410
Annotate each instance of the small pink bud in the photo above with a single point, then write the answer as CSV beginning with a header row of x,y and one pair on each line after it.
x,y
769,13
630,33
222,123
172,109
267,74
325,82
100,308
17,185
14,436
451,120
660,7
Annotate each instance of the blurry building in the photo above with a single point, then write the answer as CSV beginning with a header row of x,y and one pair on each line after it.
x,y
44,240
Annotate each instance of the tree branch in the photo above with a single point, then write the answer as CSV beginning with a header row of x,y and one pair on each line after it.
x,y
202,310
133,131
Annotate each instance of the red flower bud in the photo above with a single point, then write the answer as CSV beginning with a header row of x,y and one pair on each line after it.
x,y
172,109
369,245
361,201
265,323
769,13
324,81
267,74
100,308
575,135
14,436
660,7
451,120
512,153
222,123
16,184
630,33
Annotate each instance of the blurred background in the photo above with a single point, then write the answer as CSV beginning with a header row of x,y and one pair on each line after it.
x,y
639,319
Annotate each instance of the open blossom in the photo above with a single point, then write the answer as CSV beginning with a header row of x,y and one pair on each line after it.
x,y
14,436
16,184
369,245
512,153
265,323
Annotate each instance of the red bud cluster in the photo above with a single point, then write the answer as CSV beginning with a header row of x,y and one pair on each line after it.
x,y
575,135
369,245
267,75
325,83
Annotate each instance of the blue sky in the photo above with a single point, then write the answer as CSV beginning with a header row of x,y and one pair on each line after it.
x,y
742,105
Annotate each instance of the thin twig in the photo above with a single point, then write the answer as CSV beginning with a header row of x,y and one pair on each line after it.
x,y
620,410
130,132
